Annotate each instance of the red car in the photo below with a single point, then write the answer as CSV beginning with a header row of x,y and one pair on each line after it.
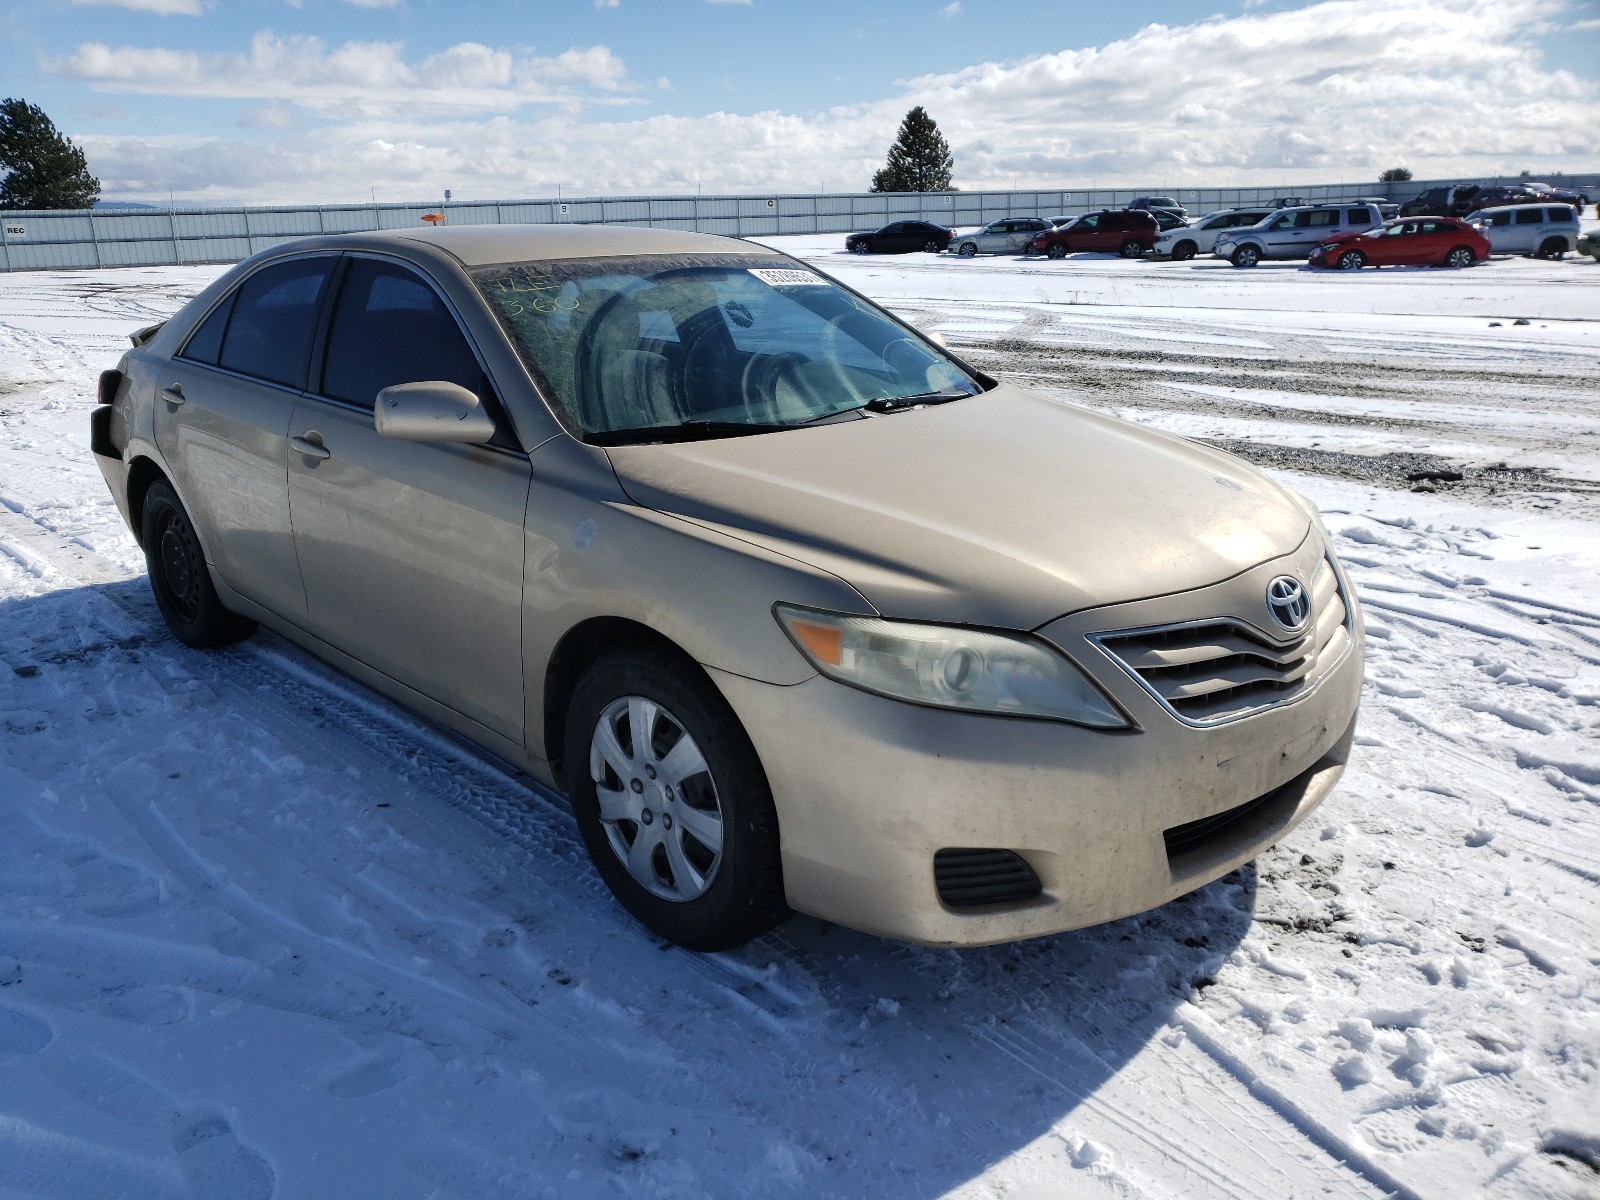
x,y
1408,242
1113,231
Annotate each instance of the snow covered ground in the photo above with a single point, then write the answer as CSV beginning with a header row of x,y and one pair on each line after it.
x,y
262,934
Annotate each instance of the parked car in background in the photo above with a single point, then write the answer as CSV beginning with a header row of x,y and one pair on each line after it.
x,y
1160,204
1286,202
1589,243
1541,230
1387,208
1166,219
1128,232
1555,195
1293,232
1199,236
1434,202
1008,236
900,237
678,578
1406,242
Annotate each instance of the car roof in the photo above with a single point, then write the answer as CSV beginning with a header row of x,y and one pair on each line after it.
x,y
484,245
1495,208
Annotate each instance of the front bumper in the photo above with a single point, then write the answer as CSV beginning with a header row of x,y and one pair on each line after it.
x,y
868,790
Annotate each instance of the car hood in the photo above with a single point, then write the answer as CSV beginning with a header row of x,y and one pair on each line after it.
x,y
1003,509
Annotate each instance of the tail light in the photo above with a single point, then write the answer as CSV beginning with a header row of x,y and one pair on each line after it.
x,y
110,381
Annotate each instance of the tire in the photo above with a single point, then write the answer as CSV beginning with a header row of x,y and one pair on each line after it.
x,y
932,247
1461,256
1130,248
968,249
1056,250
1352,260
700,897
176,564
1184,251
859,248
1553,248
1245,256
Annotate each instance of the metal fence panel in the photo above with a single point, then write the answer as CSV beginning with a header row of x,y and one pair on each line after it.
x,y
113,237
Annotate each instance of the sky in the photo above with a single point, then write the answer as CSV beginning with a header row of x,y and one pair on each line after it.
x,y
291,101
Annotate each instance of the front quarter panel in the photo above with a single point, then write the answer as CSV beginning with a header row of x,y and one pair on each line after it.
x,y
592,552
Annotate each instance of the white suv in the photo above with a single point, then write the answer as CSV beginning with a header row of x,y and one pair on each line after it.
x,y
1543,230
1198,238
1293,232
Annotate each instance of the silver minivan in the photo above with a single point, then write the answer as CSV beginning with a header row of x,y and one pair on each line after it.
x,y
1008,236
1293,232
1542,230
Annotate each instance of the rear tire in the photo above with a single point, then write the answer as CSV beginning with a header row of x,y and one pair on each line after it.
x,y
1352,260
727,894
1553,248
931,247
968,249
1246,256
179,577
1131,248
1184,251
1057,250
1461,256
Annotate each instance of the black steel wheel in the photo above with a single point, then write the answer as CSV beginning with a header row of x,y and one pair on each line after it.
x,y
176,564
671,800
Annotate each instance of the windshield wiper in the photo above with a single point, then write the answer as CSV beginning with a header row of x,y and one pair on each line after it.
x,y
889,404
688,431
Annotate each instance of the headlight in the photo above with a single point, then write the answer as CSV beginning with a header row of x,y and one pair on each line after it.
x,y
1003,673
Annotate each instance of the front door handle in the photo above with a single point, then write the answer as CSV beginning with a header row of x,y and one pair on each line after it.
x,y
310,444
173,393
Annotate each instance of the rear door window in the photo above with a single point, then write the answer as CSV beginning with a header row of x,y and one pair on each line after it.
x,y
1530,216
390,327
1322,218
1359,216
1563,214
274,317
205,344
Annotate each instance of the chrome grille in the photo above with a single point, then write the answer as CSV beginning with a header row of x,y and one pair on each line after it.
x,y
1208,672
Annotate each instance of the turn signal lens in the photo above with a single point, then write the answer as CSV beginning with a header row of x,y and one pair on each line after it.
x,y
1008,674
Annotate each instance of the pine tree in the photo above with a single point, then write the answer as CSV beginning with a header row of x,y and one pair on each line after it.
x,y
1395,175
42,168
919,160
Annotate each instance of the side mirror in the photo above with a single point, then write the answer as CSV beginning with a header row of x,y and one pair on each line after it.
x,y
432,412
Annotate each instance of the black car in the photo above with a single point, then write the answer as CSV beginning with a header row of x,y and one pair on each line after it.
x,y
1159,204
1167,219
901,237
1448,201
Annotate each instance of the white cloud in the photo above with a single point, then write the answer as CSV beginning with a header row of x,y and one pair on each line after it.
x,y
365,79
374,3
952,9
747,3
165,8
1335,90
607,3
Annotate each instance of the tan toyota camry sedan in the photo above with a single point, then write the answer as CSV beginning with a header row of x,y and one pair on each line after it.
x,y
802,611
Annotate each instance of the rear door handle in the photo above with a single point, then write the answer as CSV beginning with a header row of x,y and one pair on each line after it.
x,y
311,449
173,393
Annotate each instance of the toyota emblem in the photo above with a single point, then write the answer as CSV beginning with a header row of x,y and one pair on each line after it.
x,y
1288,603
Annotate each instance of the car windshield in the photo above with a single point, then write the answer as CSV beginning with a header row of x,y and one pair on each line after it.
x,y
709,345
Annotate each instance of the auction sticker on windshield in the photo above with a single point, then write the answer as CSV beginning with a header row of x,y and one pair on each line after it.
x,y
783,277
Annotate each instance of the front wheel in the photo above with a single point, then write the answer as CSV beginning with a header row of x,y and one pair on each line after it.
x,y
860,248
1246,256
1131,248
1461,256
1352,260
968,249
672,802
179,578
1056,250
1184,251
